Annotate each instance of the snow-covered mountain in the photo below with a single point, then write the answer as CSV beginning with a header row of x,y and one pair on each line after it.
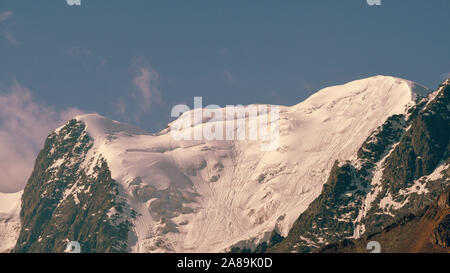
x,y
114,187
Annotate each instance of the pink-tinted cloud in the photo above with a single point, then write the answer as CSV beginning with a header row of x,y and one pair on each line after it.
x,y
446,76
6,33
9,36
121,108
24,125
146,80
230,78
5,15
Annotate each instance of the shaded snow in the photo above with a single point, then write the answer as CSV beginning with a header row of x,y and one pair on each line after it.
x,y
9,220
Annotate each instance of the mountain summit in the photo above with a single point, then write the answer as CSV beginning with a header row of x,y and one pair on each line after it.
x,y
114,187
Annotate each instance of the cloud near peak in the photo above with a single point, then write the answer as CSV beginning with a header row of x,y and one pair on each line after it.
x,y
24,125
145,93
146,81
5,15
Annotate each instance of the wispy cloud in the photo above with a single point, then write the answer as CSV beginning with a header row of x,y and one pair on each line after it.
x,y
145,93
121,108
77,51
5,15
7,34
230,78
24,125
146,80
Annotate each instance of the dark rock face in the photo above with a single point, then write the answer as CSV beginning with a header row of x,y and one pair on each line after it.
x,y
329,217
405,149
441,234
426,231
423,146
65,201
377,144
275,238
421,150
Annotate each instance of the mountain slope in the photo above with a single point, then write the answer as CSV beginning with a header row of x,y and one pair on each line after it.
x,y
427,231
401,167
96,177
64,202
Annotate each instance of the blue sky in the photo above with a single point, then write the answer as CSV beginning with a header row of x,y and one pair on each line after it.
x,y
134,60
229,52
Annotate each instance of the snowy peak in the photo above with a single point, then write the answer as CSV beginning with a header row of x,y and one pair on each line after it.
x,y
378,89
387,91
99,126
400,168
270,189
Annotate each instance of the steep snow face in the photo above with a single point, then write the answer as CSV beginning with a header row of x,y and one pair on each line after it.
x,y
9,220
207,196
